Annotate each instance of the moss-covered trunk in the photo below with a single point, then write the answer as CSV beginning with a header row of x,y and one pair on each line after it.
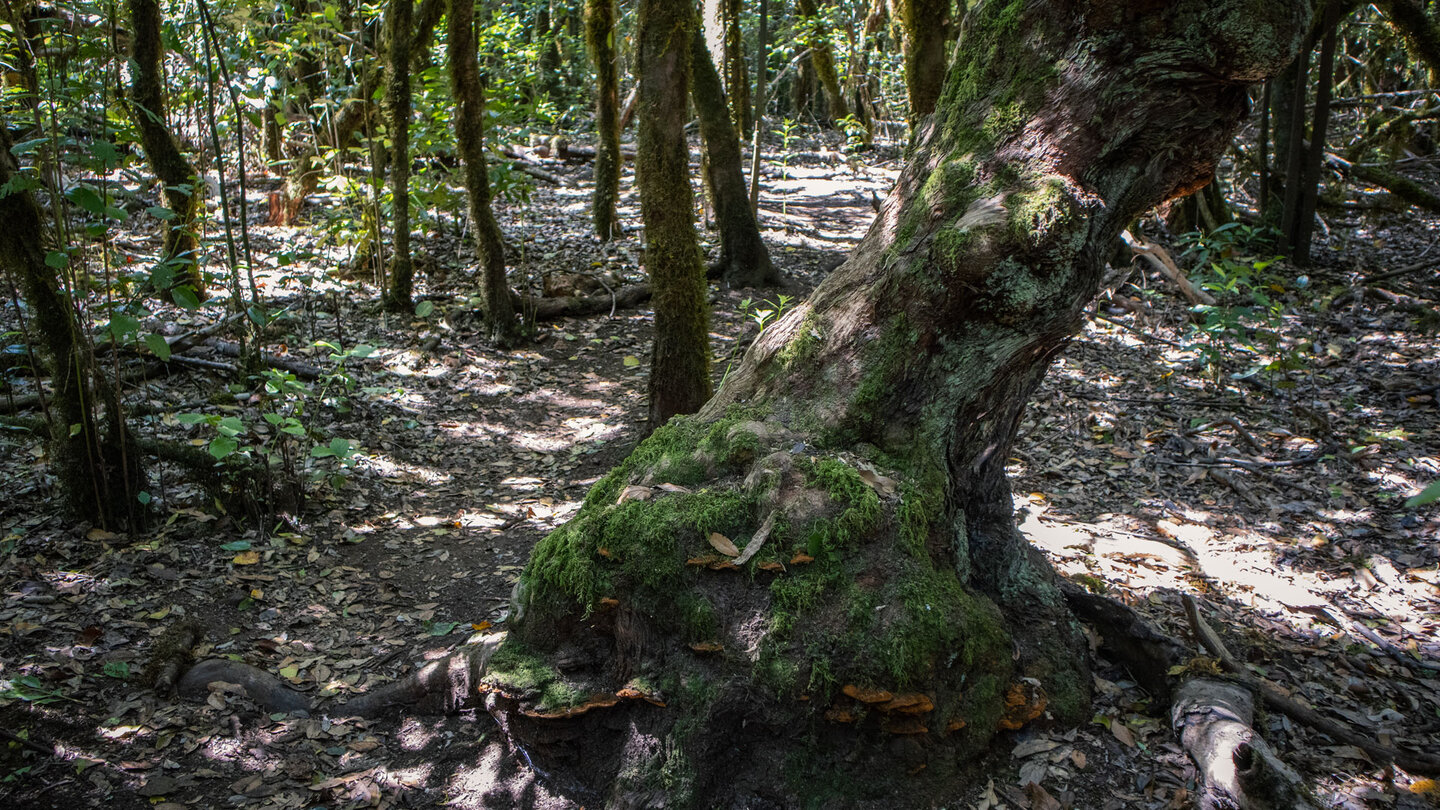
x,y
600,39
680,361
821,567
924,28
470,138
744,260
816,36
147,110
397,97
96,466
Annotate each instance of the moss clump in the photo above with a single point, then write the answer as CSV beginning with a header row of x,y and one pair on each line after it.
x,y
952,246
1037,208
520,671
802,348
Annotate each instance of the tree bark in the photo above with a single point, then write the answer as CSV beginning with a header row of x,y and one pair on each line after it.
x,y
147,110
397,96
469,98
600,37
888,616
816,36
744,260
680,361
924,27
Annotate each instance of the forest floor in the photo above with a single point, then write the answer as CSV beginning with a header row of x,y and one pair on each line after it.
x,y
1149,467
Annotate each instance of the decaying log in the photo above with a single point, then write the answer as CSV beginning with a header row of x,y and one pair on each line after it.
x,y
299,368
1416,763
1237,767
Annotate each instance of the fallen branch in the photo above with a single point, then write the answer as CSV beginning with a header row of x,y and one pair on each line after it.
x,y
299,368
1399,185
545,309
1161,261
1416,763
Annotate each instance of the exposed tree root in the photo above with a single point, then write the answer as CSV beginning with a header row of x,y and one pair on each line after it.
x,y
269,692
438,687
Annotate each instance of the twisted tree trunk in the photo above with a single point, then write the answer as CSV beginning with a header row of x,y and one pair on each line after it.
x,y
821,567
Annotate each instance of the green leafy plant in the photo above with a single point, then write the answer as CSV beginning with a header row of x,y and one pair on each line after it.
x,y
1234,264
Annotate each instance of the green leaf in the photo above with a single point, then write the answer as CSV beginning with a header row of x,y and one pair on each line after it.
x,y
57,259
158,346
236,545
144,497
185,298
631,361
191,418
222,446
160,212
122,326
424,309
364,350
231,426
87,198
117,669
442,628
1430,494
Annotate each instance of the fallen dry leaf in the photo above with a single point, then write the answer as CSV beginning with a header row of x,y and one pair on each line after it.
x,y
1122,733
722,544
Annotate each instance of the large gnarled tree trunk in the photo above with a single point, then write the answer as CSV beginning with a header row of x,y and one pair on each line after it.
x,y
821,567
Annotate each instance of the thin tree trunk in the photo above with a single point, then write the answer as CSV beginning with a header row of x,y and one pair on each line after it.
x,y
680,362
744,260
98,468
816,36
397,96
600,37
147,110
469,98
762,61
1315,156
924,26
723,40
